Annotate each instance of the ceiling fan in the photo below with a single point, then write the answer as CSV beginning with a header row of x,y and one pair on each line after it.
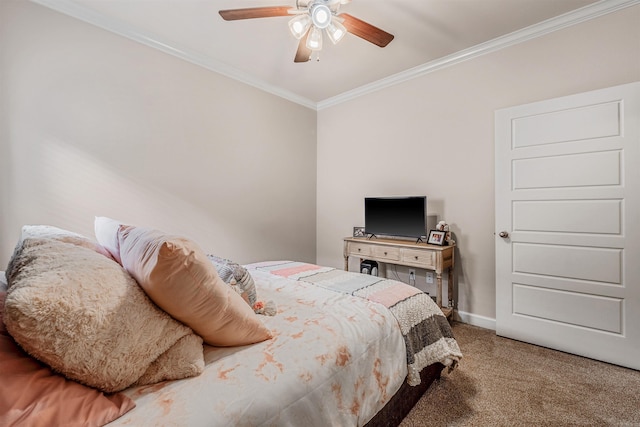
x,y
312,18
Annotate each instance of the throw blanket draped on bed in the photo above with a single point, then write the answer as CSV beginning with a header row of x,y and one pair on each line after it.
x,y
426,332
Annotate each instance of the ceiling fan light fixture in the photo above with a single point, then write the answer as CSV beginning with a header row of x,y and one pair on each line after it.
x,y
300,25
320,15
311,18
314,40
336,31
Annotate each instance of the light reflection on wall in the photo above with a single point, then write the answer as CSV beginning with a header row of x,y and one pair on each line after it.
x,y
77,187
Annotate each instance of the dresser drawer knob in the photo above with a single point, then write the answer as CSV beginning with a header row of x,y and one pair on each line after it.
x,y
416,257
359,249
385,253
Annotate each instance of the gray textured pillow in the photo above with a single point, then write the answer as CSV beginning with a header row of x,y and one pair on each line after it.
x,y
234,274
86,317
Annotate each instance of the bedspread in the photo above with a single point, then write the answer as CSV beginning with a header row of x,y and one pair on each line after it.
x,y
426,332
334,360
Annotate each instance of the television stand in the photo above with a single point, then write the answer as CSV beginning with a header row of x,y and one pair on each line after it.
x,y
409,254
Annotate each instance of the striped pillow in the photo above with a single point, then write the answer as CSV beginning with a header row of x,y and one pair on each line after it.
x,y
234,274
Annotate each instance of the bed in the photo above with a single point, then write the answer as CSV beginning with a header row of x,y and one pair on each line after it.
x,y
346,349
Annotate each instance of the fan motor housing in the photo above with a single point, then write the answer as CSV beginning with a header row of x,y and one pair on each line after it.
x,y
320,15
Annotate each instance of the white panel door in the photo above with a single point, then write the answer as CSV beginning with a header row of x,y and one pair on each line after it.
x,y
568,207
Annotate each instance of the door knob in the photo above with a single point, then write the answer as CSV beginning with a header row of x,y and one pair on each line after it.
x,y
503,234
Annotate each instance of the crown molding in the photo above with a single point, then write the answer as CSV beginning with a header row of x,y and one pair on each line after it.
x,y
73,9
578,16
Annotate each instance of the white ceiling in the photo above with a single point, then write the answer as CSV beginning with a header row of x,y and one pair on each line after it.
x,y
428,34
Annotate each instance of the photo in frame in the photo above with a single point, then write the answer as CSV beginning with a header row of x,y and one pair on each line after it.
x,y
359,232
437,237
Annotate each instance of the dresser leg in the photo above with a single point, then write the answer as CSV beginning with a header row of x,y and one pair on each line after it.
x,y
439,289
450,288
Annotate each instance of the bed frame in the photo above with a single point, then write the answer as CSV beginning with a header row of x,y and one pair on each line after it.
x,y
405,399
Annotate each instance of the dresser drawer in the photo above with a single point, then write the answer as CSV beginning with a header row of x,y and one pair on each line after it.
x,y
386,252
358,249
423,259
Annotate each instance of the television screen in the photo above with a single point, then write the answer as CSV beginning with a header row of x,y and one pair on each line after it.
x,y
396,216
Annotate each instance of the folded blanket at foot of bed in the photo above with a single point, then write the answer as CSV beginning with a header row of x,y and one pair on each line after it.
x,y
426,332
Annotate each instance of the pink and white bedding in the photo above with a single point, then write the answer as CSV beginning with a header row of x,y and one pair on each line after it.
x,y
336,348
426,332
338,354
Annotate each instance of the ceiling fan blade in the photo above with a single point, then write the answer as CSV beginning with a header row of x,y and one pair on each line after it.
x,y
366,31
254,12
304,53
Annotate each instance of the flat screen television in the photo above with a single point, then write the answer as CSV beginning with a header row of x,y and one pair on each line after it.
x,y
396,216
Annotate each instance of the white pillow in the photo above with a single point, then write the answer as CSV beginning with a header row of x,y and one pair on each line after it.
x,y
106,230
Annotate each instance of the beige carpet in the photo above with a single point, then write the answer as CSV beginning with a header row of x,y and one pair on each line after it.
x,y
501,382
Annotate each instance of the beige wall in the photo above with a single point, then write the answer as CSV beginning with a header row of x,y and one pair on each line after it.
x,y
96,124
434,135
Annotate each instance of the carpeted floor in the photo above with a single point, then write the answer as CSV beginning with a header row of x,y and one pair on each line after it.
x,y
501,382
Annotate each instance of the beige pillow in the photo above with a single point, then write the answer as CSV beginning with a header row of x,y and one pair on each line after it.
x,y
55,233
85,316
177,276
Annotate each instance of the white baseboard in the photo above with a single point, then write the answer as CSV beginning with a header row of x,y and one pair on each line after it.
x,y
475,319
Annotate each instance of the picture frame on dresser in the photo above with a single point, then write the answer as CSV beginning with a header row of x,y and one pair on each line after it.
x,y
437,237
359,232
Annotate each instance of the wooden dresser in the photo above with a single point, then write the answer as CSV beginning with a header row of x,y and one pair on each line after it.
x,y
401,252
